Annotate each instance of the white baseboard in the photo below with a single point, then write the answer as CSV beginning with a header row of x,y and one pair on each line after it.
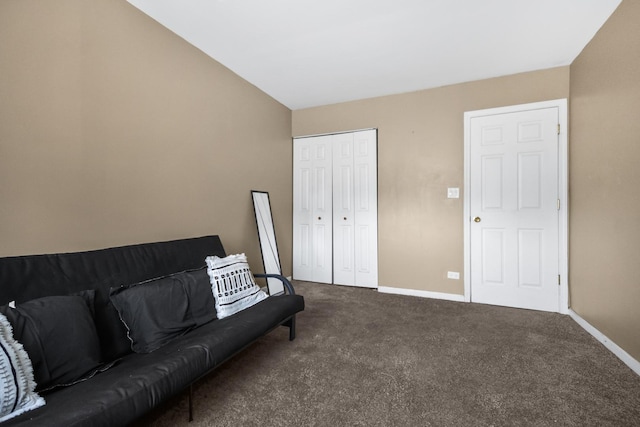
x,y
422,294
613,347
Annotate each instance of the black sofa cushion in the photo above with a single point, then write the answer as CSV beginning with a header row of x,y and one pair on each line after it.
x,y
159,310
59,335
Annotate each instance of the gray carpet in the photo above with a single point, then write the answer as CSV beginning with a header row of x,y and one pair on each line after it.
x,y
362,358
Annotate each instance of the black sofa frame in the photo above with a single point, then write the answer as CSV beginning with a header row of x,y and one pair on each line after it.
x,y
138,382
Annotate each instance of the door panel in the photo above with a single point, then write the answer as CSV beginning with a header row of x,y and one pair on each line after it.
x,y
364,261
304,254
492,196
343,218
302,212
530,259
514,234
366,208
493,266
312,210
529,180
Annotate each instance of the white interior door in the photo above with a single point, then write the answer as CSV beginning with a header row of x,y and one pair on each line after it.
x,y
514,209
312,211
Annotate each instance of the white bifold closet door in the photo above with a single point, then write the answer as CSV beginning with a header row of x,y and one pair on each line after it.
x,y
312,211
335,215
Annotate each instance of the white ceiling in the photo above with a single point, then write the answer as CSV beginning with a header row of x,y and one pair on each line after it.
x,y
306,53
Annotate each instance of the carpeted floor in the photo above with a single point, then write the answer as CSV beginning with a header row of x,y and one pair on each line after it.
x,y
362,358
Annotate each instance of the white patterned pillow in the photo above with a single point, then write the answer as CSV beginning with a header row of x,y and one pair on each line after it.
x,y
232,284
17,385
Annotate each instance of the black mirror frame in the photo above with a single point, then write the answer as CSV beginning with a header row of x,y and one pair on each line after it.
x,y
267,238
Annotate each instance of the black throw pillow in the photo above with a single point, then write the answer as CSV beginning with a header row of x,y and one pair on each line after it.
x,y
59,335
159,310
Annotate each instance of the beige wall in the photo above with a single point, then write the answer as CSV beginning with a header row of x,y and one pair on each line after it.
x,y
605,180
420,154
114,131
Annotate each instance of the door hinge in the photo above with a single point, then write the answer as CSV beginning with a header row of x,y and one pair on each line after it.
x,y
558,204
559,280
558,128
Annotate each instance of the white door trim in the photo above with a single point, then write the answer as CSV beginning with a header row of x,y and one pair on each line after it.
x,y
563,179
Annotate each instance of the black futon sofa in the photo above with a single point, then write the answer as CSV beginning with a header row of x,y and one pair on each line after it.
x,y
137,382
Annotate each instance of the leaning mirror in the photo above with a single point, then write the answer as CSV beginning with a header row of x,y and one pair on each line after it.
x,y
267,237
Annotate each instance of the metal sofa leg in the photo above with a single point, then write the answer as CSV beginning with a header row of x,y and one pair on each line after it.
x,y
292,328
190,402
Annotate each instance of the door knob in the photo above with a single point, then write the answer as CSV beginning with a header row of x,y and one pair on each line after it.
x,y
345,218
319,218
477,219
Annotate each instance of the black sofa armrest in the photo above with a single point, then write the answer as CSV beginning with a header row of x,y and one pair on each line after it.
x,y
291,321
287,284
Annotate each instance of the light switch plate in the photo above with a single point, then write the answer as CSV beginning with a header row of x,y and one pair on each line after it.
x,y
453,193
